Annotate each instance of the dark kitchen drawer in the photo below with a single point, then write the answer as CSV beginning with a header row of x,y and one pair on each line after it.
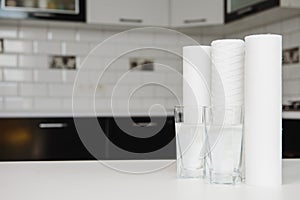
x,y
291,138
35,139
141,138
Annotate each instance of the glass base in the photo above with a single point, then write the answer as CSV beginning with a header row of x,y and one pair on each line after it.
x,y
224,178
188,173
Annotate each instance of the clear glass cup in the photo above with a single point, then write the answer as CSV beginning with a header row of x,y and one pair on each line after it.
x,y
190,141
224,130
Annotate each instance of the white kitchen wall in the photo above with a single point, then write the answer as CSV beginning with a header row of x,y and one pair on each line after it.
x,y
29,85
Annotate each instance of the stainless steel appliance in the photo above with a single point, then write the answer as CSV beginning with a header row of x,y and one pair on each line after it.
x,y
66,10
236,9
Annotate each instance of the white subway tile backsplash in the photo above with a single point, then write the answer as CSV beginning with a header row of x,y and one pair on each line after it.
x,y
67,104
47,47
83,90
172,102
295,38
73,48
151,102
48,76
32,61
119,91
291,87
161,91
39,88
61,90
8,31
290,25
132,77
274,28
35,33
80,104
8,89
61,34
153,77
17,75
8,60
93,62
90,35
18,46
142,91
102,104
18,104
287,41
69,75
47,104
32,89
1,103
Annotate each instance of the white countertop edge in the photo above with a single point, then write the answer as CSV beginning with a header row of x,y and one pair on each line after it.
x,y
104,114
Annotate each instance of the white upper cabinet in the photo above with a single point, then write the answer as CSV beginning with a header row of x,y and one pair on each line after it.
x,y
128,12
189,13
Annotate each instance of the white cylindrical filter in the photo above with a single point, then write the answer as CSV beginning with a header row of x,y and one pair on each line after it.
x,y
227,82
263,114
196,78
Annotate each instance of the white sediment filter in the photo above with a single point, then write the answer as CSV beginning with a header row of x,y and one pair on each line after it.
x,y
263,114
227,82
196,79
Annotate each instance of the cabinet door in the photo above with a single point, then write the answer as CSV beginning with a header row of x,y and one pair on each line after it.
x,y
291,138
46,139
128,12
141,138
188,13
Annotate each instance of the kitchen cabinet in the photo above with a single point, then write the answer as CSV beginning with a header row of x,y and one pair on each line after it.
x,y
141,138
191,13
291,138
129,12
58,138
38,139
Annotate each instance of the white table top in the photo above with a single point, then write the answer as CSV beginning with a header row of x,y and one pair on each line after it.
x,y
91,180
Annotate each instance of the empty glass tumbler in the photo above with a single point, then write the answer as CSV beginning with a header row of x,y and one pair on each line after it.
x,y
190,141
224,129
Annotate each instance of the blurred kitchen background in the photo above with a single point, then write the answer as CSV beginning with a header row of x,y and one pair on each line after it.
x,y
30,82
44,42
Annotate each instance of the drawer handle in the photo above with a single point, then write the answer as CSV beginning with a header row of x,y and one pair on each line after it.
x,y
131,20
245,10
145,124
52,125
191,21
41,14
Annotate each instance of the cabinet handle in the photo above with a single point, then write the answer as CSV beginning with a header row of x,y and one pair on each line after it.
x,y
145,124
190,21
42,14
52,125
131,20
245,10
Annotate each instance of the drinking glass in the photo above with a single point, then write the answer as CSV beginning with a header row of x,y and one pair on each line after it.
x,y
224,130
190,141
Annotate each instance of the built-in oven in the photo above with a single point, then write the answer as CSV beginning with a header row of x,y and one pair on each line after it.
x,y
236,9
64,10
